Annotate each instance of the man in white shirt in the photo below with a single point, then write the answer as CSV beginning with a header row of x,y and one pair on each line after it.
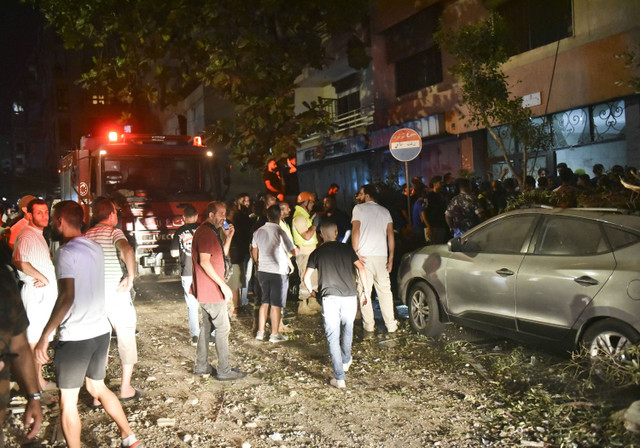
x,y
374,242
84,330
32,258
270,248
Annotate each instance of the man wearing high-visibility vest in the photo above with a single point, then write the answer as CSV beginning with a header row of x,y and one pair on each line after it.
x,y
304,236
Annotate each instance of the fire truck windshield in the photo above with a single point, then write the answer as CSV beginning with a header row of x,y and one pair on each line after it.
x,y
161,178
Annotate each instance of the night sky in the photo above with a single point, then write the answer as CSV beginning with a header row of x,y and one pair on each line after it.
x,y
18,33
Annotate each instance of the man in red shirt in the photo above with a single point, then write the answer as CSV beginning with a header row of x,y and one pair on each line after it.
x,y
210,288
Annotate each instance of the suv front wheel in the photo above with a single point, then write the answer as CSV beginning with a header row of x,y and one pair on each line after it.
x,y
423,310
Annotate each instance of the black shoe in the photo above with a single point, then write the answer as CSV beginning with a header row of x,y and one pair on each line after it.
x,y
194,340
207,371
233,375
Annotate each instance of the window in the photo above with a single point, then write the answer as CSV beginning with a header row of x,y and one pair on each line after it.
x,y
410,46
620,238
418,71
504,236
571,128
348,94
97,99
609,120
570,236
62,99
534,23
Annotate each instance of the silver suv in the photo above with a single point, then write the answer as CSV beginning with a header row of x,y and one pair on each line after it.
x,y
571,276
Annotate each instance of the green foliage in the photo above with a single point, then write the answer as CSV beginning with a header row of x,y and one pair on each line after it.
x,y
249,51
479,52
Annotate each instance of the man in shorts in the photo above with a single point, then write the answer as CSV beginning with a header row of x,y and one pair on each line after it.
x,y
270,248
83,327
334,262
39,289
120,310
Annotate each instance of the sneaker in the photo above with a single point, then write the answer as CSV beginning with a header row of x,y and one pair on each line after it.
x,y
278,338
194,340
233,375
260,335
346,366
339,384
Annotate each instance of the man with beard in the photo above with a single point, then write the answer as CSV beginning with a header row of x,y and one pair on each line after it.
x,y
211,290
32,258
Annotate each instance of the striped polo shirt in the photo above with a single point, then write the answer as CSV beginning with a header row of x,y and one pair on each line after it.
x,y
107,237
32,248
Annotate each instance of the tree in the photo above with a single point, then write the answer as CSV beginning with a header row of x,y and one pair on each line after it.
x,y
249,51
480,52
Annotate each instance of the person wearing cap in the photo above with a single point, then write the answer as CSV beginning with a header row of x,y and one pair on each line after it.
x,y
17,227
304,236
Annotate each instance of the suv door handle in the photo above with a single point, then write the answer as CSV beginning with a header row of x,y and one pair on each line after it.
x,y
585,280
504,271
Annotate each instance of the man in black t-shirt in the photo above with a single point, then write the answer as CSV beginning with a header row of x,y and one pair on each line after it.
x,y
337,290
181,247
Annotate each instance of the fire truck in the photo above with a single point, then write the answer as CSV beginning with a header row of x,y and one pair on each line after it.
x,y
150,178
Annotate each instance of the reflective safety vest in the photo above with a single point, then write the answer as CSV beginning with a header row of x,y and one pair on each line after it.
x,y
298,240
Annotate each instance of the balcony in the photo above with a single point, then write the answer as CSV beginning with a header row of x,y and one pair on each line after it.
x,y
352,119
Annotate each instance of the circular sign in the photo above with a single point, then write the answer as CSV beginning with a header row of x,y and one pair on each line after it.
x,y
84,189
405,144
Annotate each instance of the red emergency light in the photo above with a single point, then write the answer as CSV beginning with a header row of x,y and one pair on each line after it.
x,y
113,136
197,140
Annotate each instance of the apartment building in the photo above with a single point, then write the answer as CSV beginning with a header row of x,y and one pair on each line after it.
x,y
565,64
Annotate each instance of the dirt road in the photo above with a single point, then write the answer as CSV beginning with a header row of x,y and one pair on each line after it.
x,y
408,391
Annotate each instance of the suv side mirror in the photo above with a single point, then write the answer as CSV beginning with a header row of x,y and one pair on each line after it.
x,y
455,244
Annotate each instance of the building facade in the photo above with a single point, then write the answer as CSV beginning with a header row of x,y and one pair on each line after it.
x,y
565,64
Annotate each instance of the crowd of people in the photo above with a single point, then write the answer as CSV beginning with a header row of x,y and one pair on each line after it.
x,y
272,250
447,208
79,296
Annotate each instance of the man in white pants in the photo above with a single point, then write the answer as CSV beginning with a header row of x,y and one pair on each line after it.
x,y
373,240
39,289
120,310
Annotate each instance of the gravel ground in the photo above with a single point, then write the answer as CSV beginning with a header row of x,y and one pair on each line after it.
x,y
407,391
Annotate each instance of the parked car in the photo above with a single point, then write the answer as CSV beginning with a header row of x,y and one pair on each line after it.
x,y
567,276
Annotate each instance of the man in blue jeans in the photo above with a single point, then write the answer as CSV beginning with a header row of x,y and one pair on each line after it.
x,y
337,290
181,247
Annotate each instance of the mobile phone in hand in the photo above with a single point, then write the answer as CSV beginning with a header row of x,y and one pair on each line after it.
x,y
225,225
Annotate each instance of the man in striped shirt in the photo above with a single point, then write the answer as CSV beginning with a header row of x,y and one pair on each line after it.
x,y
120,310
32,258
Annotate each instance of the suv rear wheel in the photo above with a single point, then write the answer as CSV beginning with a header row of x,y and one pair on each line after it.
x,y
608,342
423,310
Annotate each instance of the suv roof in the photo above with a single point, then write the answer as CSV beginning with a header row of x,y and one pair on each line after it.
x,y
619,217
